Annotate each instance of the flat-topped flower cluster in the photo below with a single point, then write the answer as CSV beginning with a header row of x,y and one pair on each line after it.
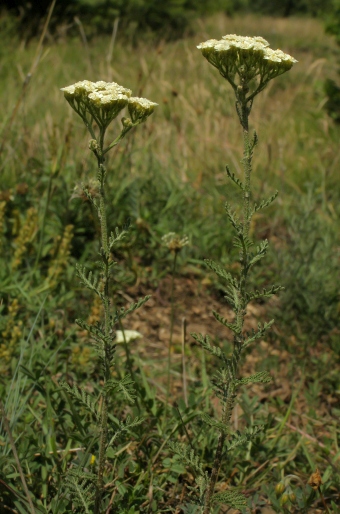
x,y
245,57
103,101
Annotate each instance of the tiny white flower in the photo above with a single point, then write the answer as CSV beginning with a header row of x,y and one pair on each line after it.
x,y
207,44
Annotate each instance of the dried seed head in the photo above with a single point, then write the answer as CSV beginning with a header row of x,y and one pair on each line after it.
x,y
174,242
87,190
315,480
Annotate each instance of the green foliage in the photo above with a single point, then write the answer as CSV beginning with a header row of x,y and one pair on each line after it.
x,y
332,106
289,8
82,397
172,17
232,498
311,298
187,454
238,438
81,487
333,20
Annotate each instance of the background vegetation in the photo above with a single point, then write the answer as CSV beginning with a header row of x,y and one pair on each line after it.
x,y
169,176
173,17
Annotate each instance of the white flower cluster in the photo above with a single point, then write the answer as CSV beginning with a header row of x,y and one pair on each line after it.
x,y
140,108
102,101
246,57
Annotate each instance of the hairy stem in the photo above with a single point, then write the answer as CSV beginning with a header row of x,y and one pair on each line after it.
x,y
240,312
105,253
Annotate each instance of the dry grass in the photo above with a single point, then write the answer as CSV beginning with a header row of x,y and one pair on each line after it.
x,y
191,136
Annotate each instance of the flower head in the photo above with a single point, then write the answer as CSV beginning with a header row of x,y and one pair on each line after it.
x,y
241,59
102,101
99,101
140,109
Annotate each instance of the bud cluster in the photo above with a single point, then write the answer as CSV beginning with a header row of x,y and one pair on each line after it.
x,y
246,58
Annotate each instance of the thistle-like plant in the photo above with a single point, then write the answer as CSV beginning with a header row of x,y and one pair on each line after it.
x,y
98,104
248,64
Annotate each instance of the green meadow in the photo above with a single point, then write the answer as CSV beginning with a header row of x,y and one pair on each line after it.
x,y
169,176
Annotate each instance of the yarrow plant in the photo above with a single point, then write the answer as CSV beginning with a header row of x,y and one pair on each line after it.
x,y
248,64
98,104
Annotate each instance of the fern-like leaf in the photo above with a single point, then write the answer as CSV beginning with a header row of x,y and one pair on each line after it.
x,y
122,313
254,141
221,272
265,293
232,326
81,487
125,386
116,236
104,345
187,456
239,439
259,377
236,180
231,498
242,242
214,423
232,364
261,252
261,330
232,297
124,427
265,203
82,397
88,280
204,341
233,218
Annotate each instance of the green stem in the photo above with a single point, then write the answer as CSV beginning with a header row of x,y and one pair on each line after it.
x,y
247,157
119,138
105,253
323,500
172,319
241,310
